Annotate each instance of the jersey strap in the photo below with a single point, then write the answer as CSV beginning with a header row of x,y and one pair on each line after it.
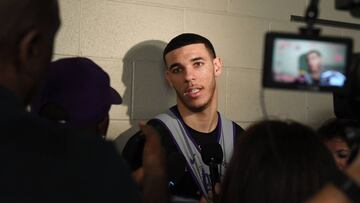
x,y
188,147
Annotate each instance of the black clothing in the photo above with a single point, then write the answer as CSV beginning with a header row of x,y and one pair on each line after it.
x,y
43,163
185,186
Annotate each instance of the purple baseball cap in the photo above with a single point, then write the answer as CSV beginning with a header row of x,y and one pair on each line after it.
x,y
81,88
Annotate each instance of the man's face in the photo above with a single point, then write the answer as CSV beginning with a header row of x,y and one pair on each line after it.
x,y
314,61
191,71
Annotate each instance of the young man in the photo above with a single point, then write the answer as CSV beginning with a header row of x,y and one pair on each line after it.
x,y
192,68
43,163
320,75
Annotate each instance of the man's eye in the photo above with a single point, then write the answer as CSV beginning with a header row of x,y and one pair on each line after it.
x,y
176,70
198,63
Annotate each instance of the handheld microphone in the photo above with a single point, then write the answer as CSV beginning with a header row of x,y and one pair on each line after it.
x,y
212,155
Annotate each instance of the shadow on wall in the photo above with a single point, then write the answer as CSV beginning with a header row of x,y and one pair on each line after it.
x,y
147,91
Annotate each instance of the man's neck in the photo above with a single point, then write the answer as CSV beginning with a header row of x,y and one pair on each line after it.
x,y
204,121
316,74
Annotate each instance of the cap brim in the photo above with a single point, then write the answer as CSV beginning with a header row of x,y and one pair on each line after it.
x,y
115,97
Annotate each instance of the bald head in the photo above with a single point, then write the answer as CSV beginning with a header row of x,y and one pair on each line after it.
x,y
28,29
20,16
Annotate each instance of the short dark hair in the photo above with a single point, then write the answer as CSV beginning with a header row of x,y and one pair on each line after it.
x,y
336,128
187,39
277,162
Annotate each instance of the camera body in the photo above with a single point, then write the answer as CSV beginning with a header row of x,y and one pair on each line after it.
x,y
346,4
308,61
347,104
351,5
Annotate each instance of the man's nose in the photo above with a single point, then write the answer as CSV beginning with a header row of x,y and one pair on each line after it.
x,y
189,74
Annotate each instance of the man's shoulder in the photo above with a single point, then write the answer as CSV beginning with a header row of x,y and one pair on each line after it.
x,y
31,131
133,150
163,129
236,126
37,135
159,125
59,153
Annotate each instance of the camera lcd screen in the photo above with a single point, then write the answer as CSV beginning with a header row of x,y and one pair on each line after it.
x,y
301,62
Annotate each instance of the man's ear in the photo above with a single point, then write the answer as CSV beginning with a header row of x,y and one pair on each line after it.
x,y
29,49
217,66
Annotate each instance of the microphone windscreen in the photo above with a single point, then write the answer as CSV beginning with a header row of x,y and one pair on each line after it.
x,y
211,153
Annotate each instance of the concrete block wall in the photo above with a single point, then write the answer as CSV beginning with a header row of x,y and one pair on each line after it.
x,y
126,38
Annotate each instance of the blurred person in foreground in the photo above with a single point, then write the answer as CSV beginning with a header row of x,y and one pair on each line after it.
x,y
333,133
344,188
44,163
277,162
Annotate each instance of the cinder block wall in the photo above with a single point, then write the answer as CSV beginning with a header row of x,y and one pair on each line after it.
x,y
126,38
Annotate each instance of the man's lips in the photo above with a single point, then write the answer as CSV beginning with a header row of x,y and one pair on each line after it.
x,y
192,91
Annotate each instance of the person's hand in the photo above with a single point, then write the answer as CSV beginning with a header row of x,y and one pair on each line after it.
x,y
210,195
153,155
138,176
154,182
203,200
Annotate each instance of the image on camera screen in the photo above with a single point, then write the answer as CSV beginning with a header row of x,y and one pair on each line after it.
x,y
309,62
297,62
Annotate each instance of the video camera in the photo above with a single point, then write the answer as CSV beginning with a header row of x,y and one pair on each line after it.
x,y
351,5
306,62
311,62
